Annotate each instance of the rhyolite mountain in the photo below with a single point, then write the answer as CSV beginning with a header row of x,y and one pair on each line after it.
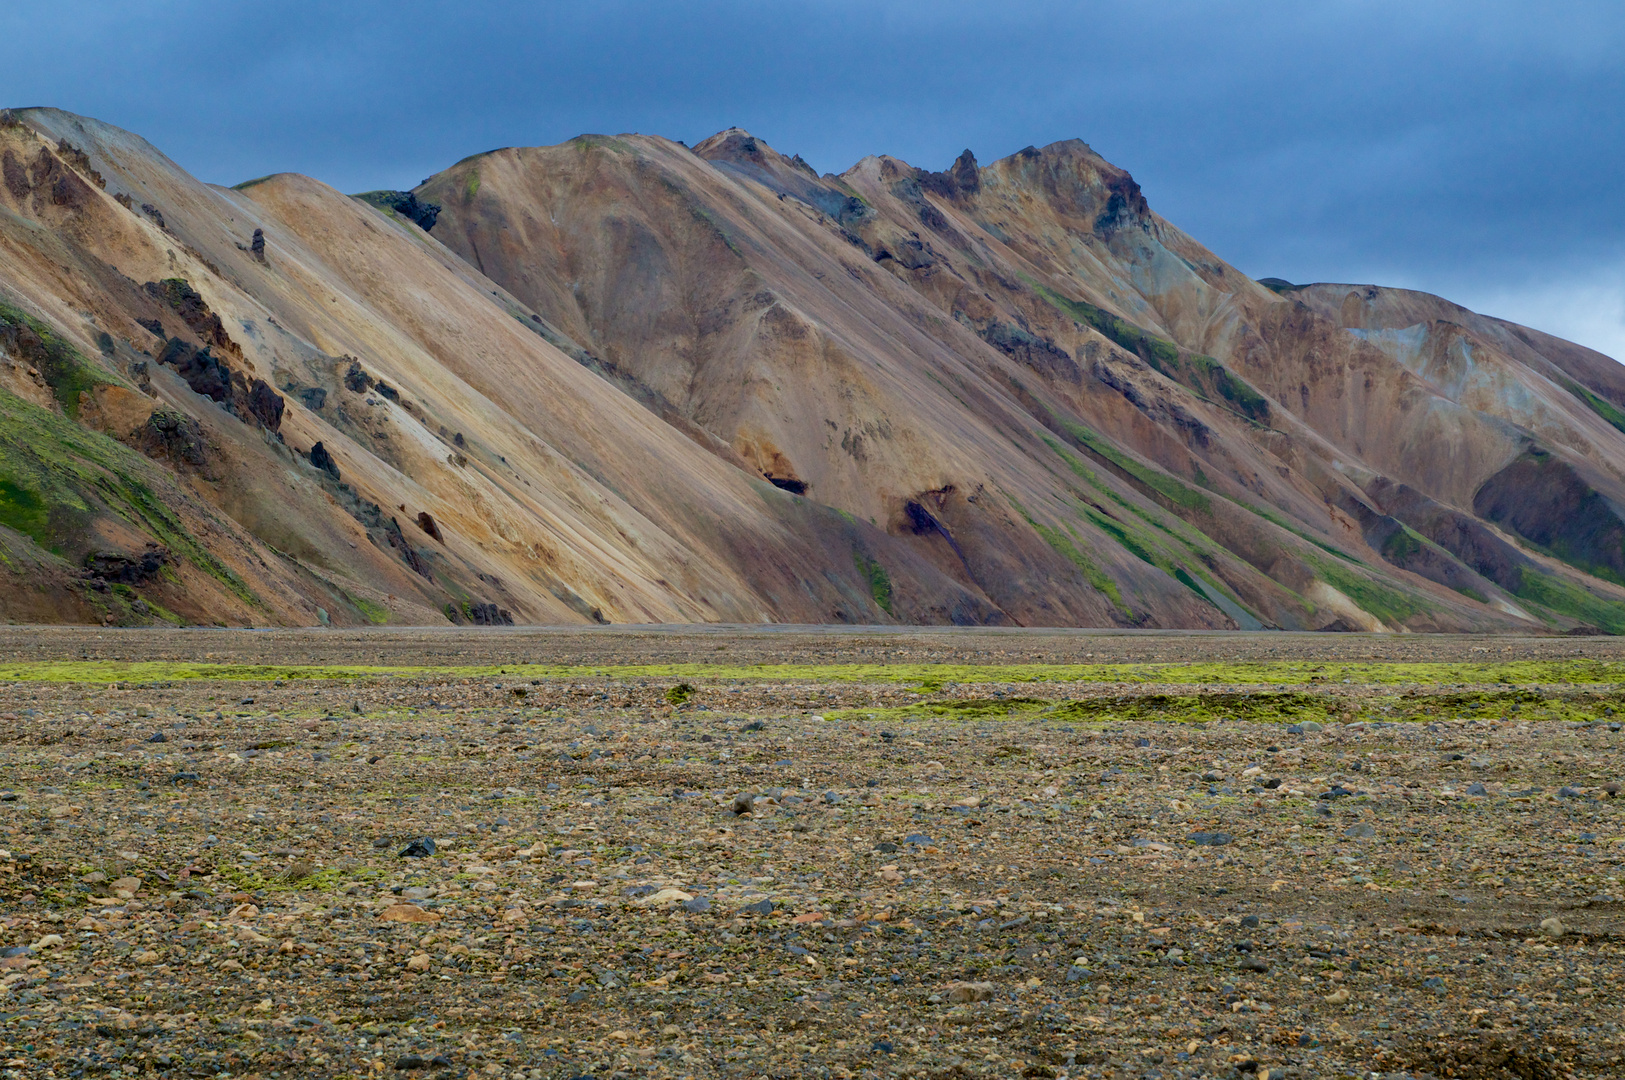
x,y
626,380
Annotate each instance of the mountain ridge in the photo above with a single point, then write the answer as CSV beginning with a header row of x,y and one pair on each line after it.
x,y
621,379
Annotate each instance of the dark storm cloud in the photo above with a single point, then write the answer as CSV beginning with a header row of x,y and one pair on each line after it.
x,y
1470,148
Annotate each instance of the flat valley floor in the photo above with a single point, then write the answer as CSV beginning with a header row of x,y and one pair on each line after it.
x,y
809,852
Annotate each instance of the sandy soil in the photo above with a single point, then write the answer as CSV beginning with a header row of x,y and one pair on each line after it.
x,y
203,878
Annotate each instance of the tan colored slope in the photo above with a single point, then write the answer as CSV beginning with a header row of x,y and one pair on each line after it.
x,y
554,496
854,335
792,348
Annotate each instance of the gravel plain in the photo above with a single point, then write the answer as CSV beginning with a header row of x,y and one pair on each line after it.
x,y
602,872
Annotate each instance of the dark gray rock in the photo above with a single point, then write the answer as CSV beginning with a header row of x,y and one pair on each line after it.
x,y
421,848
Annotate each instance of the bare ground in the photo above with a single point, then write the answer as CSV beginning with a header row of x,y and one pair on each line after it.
x,y
998,890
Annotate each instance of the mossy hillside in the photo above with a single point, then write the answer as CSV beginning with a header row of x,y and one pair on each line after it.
x,y
1552,595
1599,405
1170,544
57,477
1390,605
1152,480
64,369
376,614
1064,546
1203,374
1387,603
1577,672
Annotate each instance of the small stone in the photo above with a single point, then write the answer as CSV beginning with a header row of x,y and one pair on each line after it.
x,y
1210,839
761,907
1254,963
1361,830
1340,996
832,798
157,736
421,848
1249,921
1477,789
961,992
408,913
420,962
697,905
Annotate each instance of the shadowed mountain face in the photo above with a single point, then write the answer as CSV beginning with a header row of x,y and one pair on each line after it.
x,y
626,380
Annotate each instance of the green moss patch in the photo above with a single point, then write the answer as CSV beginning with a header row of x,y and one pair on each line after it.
x,y
63,368
1151,480
954,709
1599,405
878,580
1390,605
1268,673
1271,708
1064,546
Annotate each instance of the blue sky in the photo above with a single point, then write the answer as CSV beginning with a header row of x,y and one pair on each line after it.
x,y
1470,149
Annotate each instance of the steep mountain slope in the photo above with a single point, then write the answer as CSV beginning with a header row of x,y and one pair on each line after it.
x,y
1028,375
626,380
467,466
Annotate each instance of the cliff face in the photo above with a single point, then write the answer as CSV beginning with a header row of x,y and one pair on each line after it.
x,y
626,380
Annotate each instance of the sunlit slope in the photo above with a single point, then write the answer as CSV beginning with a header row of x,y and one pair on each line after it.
x,y
1020,371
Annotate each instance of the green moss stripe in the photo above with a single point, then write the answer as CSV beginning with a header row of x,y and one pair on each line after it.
x,y
1519,673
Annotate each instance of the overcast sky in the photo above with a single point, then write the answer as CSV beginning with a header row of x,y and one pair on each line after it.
x,y
1470,149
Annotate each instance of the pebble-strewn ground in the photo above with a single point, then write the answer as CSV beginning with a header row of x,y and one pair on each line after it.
x,y
204,878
